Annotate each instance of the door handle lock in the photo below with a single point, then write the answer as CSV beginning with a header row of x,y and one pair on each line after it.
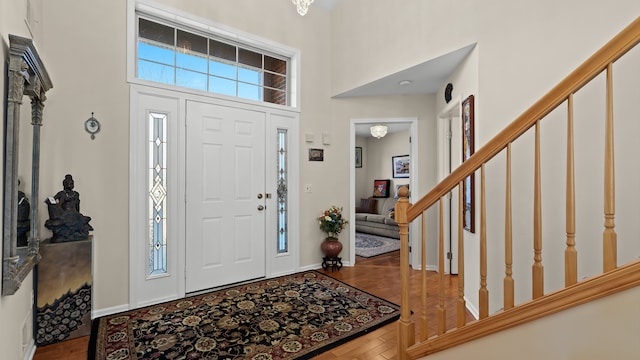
x,y
259,196
260,207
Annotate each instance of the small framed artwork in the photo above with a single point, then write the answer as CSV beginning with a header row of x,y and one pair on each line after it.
x,y
400,166
468,185
381,188
358,157
316,154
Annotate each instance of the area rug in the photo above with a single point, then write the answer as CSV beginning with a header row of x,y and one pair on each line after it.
x,y
368,245
291,317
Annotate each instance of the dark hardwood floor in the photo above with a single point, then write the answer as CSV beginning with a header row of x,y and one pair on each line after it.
x,y
379,275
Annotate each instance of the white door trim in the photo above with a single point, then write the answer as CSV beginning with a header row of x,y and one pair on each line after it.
x,y
143,289
445,146
284,263
413,181
138,196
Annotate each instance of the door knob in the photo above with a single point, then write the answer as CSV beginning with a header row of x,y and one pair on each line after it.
x,y
260,207
259,196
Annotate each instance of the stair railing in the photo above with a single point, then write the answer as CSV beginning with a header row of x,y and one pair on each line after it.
x,y
405,212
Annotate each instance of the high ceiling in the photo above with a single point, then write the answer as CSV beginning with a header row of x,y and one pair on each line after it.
x,y
325,4
424,78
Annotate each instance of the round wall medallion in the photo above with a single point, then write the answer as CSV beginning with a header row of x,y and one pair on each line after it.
x,y
92,126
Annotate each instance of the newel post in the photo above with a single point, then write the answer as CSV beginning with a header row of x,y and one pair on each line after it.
x,y
406,328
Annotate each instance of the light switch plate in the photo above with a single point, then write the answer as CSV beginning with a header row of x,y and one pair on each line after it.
x,y
326,138
308,137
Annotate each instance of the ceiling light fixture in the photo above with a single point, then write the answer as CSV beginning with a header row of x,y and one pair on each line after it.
x,y
404,82
302,6
378,131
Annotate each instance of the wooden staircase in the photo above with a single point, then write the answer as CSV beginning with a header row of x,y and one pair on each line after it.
x,y
614,277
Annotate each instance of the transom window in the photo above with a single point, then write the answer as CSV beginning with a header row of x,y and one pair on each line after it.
x,y
173,56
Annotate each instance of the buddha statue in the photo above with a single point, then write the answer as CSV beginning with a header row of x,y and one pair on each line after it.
x,y
65,220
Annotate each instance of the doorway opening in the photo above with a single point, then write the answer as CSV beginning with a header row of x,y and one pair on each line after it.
x,y
359,132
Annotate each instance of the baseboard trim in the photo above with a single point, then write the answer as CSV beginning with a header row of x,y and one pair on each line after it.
x,y
30,351
311,267
109,311
472,309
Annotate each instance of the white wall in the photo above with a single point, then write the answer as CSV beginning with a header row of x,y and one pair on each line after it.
x,y
16,313
570,335
379,155
362,176
523,49
383,151
374,166
465,80
16,310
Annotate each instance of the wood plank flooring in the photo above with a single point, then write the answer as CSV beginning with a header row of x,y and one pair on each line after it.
x,y
379,275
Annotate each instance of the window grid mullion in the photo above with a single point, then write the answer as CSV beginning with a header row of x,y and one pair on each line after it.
x,y
188,76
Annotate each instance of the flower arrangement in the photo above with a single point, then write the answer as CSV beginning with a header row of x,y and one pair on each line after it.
x,y
332,222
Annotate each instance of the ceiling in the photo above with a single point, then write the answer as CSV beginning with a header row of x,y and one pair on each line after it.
x,y
424,78
325,4
362,130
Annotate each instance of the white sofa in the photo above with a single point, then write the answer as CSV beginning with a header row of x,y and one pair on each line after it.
x,y
372,217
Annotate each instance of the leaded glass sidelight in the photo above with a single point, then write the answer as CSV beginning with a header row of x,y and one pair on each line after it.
x,y
283,238
157,246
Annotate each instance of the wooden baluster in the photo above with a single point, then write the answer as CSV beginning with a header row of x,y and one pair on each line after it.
x,y
442,318
406,327
462,306
508,239
570,253
537,270
484,292
609,237
424,329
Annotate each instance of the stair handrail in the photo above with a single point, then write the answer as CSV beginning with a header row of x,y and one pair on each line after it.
x,y
592,67
406,212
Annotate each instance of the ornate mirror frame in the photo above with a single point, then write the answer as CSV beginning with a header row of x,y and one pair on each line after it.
x,y
26,76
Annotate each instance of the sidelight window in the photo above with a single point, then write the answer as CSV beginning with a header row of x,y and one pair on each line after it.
x,y
283,207
157,180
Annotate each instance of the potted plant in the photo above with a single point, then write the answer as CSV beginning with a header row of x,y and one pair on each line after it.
x,y
332,223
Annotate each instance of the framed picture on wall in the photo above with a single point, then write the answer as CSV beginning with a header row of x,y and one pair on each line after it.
x,y
400,166
316,154
468,185
381,188
358,157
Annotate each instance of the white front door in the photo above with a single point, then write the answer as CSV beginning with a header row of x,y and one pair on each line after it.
x,y
225,217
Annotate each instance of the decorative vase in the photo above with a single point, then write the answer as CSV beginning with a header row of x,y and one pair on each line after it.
x,y
331,247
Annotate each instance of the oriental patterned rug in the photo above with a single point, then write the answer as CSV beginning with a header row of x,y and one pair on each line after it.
x,y
369,245
290,317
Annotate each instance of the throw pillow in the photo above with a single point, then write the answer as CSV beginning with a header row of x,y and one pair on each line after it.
x,y
367,206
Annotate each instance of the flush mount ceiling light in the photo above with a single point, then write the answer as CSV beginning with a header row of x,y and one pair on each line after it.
x,y
302,6
378,131
404,82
